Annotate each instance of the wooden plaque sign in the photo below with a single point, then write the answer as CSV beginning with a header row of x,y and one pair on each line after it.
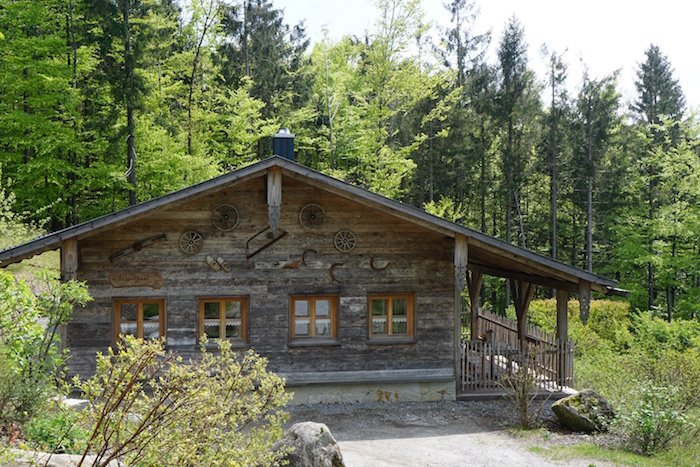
x,y
120,279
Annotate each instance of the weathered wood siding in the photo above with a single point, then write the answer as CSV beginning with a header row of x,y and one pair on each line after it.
x,y
417,264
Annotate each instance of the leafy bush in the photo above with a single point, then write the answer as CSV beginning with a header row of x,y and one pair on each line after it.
x,y
655,419
53,431
20,397
146,405
30,361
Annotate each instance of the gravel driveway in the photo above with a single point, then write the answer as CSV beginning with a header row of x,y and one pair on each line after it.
x,y
435,434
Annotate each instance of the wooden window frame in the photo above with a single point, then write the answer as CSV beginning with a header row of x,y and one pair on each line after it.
x,y
312,339
139,302
390,337
236,341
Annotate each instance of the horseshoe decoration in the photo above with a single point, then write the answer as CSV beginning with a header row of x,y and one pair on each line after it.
x,y
375,268
330,271
303,255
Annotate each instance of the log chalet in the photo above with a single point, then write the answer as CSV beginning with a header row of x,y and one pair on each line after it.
x,y
350,295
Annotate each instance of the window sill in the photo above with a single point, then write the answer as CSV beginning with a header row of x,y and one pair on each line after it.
x,y
391,340
236,345
314,343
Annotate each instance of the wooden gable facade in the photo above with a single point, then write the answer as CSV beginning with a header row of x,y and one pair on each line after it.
x,y
350,296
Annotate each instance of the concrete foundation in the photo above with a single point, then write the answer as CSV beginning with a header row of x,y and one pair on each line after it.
x,y
373,392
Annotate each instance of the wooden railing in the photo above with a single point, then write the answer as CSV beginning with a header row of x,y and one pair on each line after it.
x,y
505,330
498,352
484,364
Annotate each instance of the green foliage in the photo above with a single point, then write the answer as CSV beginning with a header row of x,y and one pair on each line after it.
x,y
656,419
29,356
148,406
446,209
20,397
54,430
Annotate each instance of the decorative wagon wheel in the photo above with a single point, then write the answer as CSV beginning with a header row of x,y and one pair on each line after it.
x,y
225,217
191,242
345,240
312,216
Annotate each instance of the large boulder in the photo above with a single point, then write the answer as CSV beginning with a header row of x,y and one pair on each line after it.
x,y
310,445
586,411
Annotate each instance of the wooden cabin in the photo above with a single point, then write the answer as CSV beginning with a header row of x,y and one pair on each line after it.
x,y
350,295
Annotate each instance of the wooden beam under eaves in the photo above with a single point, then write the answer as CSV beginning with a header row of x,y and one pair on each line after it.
x,y
516,276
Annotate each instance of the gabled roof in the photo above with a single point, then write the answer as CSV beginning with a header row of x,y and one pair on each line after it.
x,y
487,254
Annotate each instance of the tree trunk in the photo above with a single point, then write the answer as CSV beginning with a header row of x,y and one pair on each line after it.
x,y
589,190
129,71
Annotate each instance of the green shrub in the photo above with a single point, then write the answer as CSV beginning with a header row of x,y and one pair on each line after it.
x,y
655,417
30,361
53,430
655,336
148,406
20,396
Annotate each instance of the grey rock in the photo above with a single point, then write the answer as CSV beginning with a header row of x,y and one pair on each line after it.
x,y
586,411
310,445
22,458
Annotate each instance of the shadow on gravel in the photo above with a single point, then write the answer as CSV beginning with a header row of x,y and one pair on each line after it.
x,y
376,421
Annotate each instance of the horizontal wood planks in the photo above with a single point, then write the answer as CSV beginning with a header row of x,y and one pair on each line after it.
x,y
407,259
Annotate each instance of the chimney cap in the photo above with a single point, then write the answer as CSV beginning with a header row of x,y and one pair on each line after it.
x,y
284,133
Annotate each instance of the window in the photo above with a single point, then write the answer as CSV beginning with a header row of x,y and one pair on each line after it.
x,y
143,318
224,318
392,316
314,318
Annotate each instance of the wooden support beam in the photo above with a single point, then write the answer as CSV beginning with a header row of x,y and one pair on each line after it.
x,y
69,259
460,262
515,276
562,315
69,271
562,335
274,197
474,280
584,300
522,296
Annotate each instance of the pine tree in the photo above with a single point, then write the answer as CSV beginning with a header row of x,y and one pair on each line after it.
x,y
659,107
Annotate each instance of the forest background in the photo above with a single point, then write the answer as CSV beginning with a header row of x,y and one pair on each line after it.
x,y
106,103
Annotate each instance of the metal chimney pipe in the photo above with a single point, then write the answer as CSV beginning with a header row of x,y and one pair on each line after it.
x,y
283,144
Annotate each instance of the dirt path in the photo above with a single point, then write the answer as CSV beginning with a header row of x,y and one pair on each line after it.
x,y
437,434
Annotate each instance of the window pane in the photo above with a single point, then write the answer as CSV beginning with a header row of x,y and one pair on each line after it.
x,y
400,307
378,325
128,312
127,329
211,310
378,307
151,312
151,330
233,329
301,308
323,327
399,326
233,309
301,327
323,307
212,329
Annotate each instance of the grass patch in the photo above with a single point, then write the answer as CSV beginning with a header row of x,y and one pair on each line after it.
x,y
675,457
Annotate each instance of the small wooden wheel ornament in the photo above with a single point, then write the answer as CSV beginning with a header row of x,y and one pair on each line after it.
x,y
225,217
345,240
312,216
191,242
